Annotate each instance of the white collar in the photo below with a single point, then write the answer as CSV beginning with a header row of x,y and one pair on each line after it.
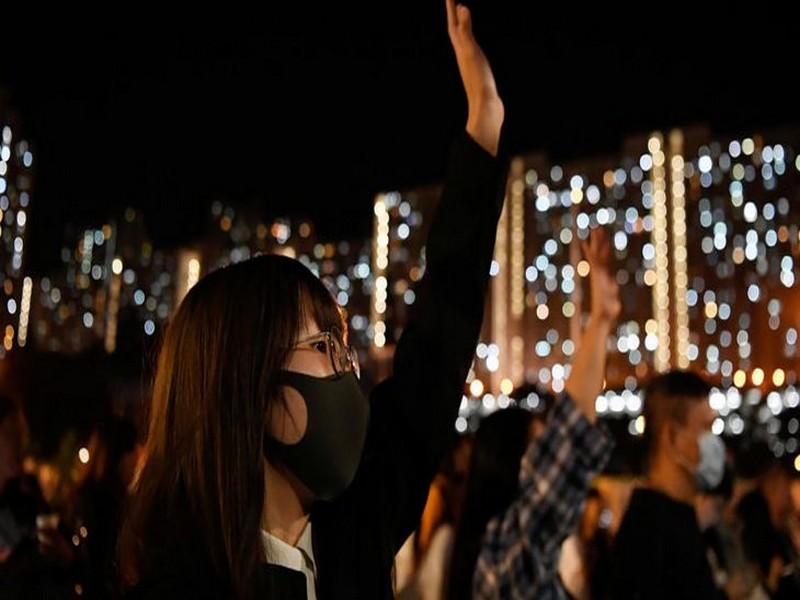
x,y
299,557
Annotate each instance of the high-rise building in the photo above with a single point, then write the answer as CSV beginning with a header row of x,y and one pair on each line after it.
x,y
706,249
16,184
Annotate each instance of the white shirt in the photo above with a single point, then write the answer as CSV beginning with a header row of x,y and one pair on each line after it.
x,y
297,558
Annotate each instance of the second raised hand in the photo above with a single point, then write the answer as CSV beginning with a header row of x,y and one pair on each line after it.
x,y
606,304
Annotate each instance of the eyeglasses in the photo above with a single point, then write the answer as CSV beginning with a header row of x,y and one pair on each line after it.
x,y
344,359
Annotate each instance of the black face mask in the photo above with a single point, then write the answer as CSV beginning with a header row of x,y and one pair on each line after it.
x,y
326,458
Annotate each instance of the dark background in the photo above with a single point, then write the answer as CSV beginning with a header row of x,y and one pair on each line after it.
x,y
311,111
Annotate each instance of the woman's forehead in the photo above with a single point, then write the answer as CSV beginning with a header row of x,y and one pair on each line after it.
x,y
316,316
308,327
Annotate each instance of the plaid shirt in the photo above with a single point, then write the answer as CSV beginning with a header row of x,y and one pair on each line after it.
x,y
521,548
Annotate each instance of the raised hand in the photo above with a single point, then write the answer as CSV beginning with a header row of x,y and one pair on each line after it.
x,y
606,304
485,108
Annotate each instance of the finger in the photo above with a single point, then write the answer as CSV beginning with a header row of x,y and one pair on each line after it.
x,y
596,242
594,245
600,240
606,249
452,18
464,19
585,250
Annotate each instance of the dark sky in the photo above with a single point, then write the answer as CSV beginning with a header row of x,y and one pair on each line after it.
x,y
313,112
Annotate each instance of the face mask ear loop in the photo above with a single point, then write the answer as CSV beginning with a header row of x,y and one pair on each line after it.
x,y
680,459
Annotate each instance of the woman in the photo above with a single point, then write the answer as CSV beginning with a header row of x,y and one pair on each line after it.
x,y
492,485
267,473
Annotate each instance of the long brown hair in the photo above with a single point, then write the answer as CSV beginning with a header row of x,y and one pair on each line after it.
x,y
199,497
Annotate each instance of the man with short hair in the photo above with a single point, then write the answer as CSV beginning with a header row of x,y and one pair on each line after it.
x,y
659,550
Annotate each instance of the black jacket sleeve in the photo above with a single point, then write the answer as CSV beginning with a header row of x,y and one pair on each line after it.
x,y
415,409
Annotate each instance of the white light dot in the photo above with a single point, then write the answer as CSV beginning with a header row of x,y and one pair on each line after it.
x,y
620,240
774,403
733,398
750,212
616,403
651,342
716,400
633,403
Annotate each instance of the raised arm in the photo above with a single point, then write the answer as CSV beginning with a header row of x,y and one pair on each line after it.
x,y
485,108
414,410
519,555
589,364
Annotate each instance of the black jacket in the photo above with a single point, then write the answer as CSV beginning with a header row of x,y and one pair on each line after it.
x,y
356,537
659,552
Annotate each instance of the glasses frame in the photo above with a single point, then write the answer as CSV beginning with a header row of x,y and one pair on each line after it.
x,y
347,360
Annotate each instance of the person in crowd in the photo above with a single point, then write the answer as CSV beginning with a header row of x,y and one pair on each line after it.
x,y
722,538
763,513
585,563
267,472
446,496
421,564
659,550
500,442
525,492
36,560
100,499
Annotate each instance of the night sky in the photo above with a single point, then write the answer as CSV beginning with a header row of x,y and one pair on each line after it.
x,y
311,113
